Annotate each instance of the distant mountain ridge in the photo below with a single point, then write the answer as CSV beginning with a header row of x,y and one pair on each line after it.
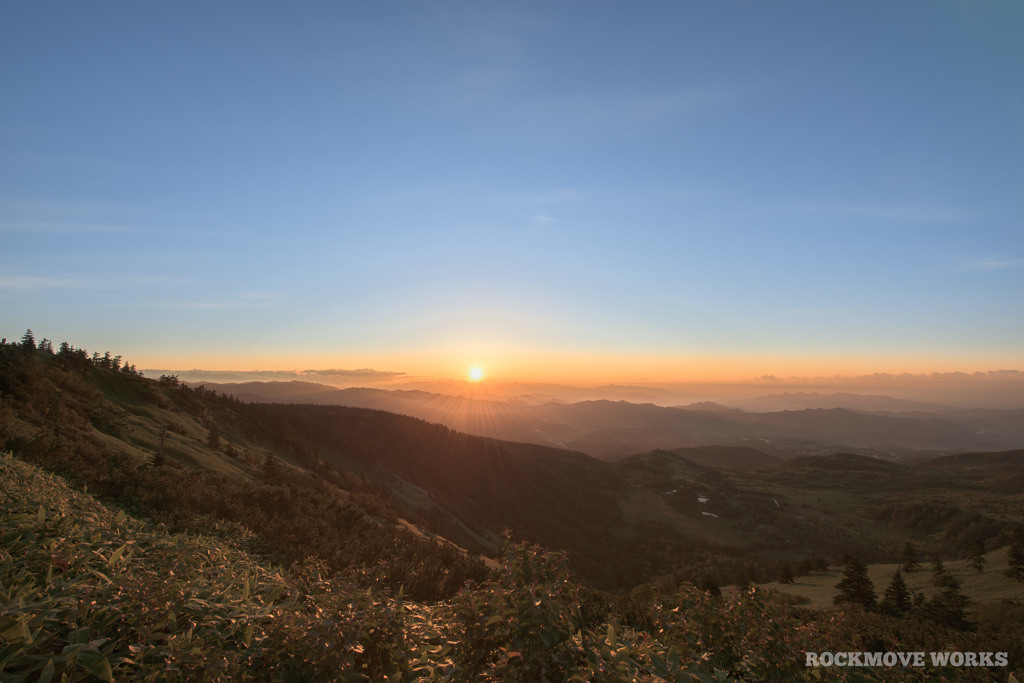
x,y
862,402
710,406
612,430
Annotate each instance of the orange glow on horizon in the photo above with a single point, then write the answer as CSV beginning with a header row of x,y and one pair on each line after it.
x,y
581,368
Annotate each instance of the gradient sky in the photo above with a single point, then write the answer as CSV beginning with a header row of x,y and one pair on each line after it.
x,y
554,190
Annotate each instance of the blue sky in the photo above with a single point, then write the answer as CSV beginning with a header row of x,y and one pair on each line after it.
x,y
626,191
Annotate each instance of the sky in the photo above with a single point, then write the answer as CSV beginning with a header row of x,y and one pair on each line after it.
x,y
552,191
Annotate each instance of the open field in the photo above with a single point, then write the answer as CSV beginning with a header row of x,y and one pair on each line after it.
x,y
991,584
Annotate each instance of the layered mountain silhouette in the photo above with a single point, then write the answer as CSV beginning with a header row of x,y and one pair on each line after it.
x,y
612,430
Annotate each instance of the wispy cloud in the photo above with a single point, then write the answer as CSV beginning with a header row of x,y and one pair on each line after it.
x,y
349,374
621,109
537,205
70,227
255,300
897,213
210,305
28,282
81,218
684,195
809,311
990,264
555,196
215,305
60,216
62,227
484,30
333,376
35,282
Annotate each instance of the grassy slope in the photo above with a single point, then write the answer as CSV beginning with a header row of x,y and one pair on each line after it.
x,y
146,411
87,590
90,593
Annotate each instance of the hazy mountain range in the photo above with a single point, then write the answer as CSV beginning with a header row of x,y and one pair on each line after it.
x,y
781,425
1003,389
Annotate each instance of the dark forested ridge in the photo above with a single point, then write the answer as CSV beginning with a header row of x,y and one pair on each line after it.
x,y
400,504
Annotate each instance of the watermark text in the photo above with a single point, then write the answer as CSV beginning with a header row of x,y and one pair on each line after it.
x,y
890,659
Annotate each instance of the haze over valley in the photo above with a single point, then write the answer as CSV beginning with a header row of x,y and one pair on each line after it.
x,y
889,428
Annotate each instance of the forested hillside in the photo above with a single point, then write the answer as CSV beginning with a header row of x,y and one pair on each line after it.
x,y
293,472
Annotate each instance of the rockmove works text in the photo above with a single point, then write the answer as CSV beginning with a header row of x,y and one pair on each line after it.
x,y
889,659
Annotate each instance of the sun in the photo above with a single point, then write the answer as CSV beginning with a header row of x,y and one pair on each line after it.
x,y
476,373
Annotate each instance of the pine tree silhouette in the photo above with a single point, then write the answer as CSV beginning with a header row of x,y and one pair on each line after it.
x,y
856,586
896,599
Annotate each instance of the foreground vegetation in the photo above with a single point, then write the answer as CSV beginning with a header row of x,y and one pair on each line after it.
x,y
89,593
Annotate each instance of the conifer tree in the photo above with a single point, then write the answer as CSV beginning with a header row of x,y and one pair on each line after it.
x,y
949,608
213,438
938,571
856,586
158,459
1015,562
976,556
942,578
896,599
271,469
908,556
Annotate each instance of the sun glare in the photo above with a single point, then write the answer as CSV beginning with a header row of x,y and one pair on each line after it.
x,y
476,374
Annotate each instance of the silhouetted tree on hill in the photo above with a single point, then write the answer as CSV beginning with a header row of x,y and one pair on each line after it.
x,y
855,586
908,556
896,599
949,608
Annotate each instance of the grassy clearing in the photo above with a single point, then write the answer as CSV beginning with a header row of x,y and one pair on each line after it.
x,y
986,586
